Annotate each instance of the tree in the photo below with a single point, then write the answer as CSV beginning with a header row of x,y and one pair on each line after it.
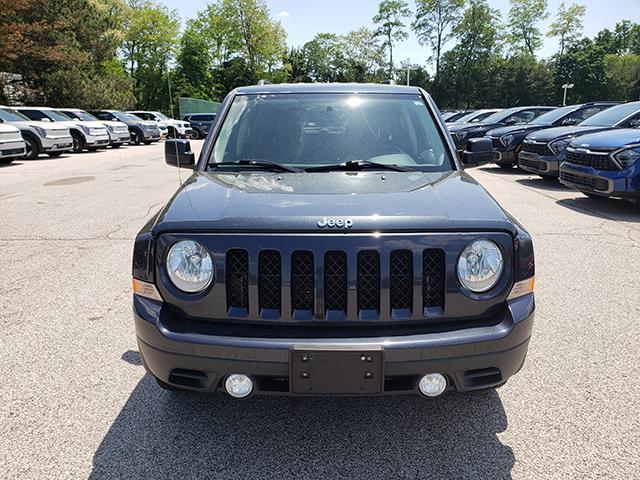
x,y
192,75
567,25
583,64
433,19
623,72
389,20
524,16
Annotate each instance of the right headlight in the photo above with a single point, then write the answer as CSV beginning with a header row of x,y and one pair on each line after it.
x,y
41,131
480,266
462,134
560,145
627,157
190,266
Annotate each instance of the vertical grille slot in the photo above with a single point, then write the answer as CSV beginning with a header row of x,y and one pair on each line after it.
x,y
237,283
433,279
269,283
302,282
401,283
368,283
335,282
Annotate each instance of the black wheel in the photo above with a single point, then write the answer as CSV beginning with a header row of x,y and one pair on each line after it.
x,y
33,149
506,166
195,134
147,142
135,138
548,177
78,142
166,386
171,132
54,154
594,195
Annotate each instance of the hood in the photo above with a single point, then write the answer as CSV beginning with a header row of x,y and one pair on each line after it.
x,y
549,134
87,123
608,140
456,127
6,128
374,201
57,127
499,132
149,122
111,123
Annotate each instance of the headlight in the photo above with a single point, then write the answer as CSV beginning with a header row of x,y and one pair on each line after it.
x,y
480,266
85,129
462,134
110,128
190,266
41,131
560,145
627,157
507,140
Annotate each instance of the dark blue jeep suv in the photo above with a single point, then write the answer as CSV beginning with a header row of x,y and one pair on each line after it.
x,y
604,164
329,242
507,141
543,151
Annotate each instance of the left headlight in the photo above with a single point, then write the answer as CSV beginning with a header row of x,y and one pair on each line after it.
x,y
627,157
560,145
462,134
190,266
507,140
480,266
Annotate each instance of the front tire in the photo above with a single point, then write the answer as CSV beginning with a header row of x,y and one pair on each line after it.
x,y
135,138
33,149
505,166
78,143
54,154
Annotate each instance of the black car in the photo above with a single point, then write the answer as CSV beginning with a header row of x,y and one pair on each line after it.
x,y
507,141
461,132
450,117
141,131
329,242
200,123
542,152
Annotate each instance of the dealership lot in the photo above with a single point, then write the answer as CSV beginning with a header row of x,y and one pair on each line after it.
x,y
76,401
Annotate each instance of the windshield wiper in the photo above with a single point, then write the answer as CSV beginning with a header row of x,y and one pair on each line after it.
x,y
355,165
263,164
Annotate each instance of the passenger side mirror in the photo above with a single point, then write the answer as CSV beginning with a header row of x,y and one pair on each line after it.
x,y
477,151
510,121
177,153
634,123
570,121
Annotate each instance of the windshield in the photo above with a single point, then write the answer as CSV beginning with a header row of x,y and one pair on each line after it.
x,y
124,117
498,117
80,115
612,116
161,115
474,117
56,116
10,115
307,130
553,115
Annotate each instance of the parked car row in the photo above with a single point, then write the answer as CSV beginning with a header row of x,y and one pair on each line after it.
x,y
591,147
27,132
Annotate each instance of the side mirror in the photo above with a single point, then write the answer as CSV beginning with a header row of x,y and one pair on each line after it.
x,y
177,153
477,151
510,121
570,121
634,123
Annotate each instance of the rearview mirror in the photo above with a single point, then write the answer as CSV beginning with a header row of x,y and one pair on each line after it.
x,y
177,153
477,151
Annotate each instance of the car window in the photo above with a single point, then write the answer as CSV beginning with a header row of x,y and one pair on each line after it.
x,y
35,115
104,115
521,117
11,115
306,130
631,121
202,118
612,116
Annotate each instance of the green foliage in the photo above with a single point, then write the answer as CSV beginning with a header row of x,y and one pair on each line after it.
x,y
567,25
390,25
524,16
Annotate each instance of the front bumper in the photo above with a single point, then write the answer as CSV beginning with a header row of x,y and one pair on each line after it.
x,y
12,149
56,144
183,131
504,156
119,138
611,183
96,140
548,165
470,358
153,135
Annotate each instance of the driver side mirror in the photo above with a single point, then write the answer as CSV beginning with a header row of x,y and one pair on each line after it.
x,y
477,151
634,123
570,121
510,121
177,153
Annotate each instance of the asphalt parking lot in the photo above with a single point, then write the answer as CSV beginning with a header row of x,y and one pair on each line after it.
x,y
76,403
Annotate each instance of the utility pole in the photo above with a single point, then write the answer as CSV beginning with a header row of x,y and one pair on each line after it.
x,y
409,66
566,87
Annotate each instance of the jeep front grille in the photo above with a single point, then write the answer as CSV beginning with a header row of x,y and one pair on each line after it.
x,y
332,290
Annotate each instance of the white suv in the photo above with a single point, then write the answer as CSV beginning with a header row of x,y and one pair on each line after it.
x,y
118,131
86,135
175,128
12,144
40,137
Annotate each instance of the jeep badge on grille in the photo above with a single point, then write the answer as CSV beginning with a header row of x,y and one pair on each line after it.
x,y
335,223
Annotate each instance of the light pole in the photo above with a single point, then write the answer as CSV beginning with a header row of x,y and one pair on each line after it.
x,y
409,66
566,87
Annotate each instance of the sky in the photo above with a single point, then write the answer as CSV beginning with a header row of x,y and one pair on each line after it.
x,y
302,19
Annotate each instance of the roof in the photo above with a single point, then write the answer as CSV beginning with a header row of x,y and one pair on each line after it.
x,y
33,108
326,88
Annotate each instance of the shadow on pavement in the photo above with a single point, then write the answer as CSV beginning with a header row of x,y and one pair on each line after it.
x,y
606,208
161,434
551,185
502,171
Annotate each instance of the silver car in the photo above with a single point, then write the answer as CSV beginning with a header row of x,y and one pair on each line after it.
x,y
12,145
118,131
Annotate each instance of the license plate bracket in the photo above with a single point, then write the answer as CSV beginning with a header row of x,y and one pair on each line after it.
x,y
326,371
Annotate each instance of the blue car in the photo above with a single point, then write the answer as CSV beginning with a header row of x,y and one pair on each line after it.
x,y
543,151
604,164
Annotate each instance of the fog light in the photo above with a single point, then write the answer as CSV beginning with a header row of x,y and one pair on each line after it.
x,y
238,385
432,384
